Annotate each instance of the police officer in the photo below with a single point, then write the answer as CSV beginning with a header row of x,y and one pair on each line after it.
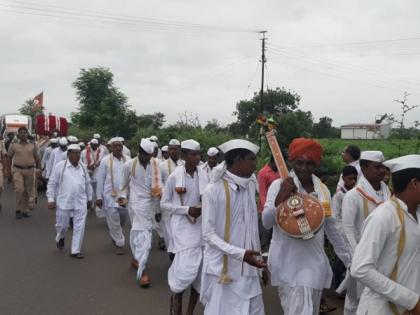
x,y
25,167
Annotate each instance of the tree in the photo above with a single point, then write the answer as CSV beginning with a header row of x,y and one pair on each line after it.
x,y
155,120
324,129
30,108
275,103
405,108
293,125
102,106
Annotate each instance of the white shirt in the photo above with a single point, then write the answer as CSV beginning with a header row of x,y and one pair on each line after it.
x,y
245,277
185,233
126,151
104,188
337,205
295,262
206,168
167,167
69,186
141,205
353,213
355,164
95,159
56,156
375,258
45,157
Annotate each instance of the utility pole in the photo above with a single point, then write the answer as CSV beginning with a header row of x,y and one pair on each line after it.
x,y
263,61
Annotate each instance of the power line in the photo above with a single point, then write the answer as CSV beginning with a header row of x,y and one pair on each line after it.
x,y
343,66
357,43
86,15
338,76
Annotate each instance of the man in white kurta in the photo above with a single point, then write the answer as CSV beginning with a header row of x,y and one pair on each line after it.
x,y
142,186
92,157
182,200
109,181
387,258
70,192
47,154
230,281
57,155
212,160
351,156
300,268
166,169
358,203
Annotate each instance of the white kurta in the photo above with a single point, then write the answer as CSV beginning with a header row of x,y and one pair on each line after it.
x,y
355,164
115,215
141,208
95,159
354,214
187,231
166,168
243,295
44,160
302,263
375,258
55,157
69,187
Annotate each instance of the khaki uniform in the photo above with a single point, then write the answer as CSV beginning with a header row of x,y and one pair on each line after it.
x,y
25,156
2,152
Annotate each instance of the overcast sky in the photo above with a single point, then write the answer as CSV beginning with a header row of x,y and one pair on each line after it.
x,y
347,59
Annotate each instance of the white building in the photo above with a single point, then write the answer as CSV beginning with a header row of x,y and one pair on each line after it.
x,y
366,131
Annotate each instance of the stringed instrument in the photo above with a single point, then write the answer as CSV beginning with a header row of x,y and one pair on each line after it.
x,y
302,215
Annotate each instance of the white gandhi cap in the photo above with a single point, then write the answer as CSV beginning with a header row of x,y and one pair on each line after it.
x,y
153,138
239,144
174,142
54,140
212,151
374,156
190,145
403,162
97,136
63,141
115,139
147,145
165,148
94,141
73,147
72,139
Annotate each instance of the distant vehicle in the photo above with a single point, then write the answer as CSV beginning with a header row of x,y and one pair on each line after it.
x,y
10,123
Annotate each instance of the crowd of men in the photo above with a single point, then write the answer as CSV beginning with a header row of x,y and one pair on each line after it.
x,y
216,233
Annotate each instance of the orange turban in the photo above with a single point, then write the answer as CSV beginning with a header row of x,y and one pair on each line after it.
x,y
308,147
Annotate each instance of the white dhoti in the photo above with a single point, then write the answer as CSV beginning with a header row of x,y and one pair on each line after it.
x,y
185,270
299,300
141,243
157,226
115,219
222,300
79,223
167,233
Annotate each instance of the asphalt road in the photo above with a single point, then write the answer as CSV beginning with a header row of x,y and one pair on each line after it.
x,y
37,278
